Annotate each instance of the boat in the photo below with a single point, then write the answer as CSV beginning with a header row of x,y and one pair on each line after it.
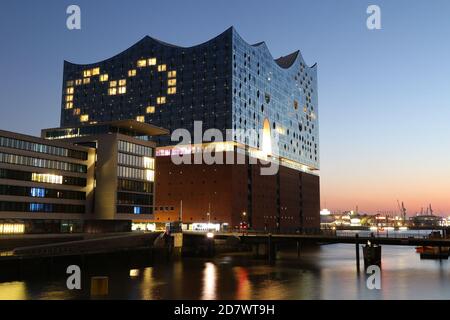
x,y
434,253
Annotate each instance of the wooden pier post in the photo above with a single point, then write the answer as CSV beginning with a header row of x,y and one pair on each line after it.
x,y
357,253
270,248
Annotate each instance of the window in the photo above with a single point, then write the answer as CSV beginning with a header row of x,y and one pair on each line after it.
x,y
87,73
69,98
69,90
46,178
162,67
161,100
149,163
41,163
172,82
84,118
69,83
113,84
295,104
122,90
112,91
103,77
152,62
150,109
132,73
142,63
76,111
86,80
122,82
69,105
96,71
171,90
172,74
140,118
78,82
149,175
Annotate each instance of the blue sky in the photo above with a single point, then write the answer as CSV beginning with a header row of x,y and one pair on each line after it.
x,y
384,95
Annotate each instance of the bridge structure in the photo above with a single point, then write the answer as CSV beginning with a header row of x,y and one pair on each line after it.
x,y
266,244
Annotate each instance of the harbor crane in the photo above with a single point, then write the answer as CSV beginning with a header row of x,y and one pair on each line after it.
x,y
402,210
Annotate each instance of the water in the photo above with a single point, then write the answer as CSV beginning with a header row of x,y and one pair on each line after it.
x,y
325,272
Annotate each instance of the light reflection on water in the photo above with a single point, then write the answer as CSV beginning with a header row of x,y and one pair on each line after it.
x,y
326,272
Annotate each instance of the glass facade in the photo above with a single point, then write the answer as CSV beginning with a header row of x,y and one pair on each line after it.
x,y
40,207
41,163
38,192
39,177
135,162
225,82
41,148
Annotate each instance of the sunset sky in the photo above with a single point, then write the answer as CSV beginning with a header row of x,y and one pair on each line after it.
x,y
384,95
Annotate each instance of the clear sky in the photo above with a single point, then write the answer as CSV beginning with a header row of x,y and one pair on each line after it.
x,y
384,95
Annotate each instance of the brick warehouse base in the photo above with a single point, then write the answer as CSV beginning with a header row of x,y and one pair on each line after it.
x,y
286,202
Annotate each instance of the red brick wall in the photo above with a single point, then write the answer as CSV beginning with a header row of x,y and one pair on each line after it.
x,y
226,187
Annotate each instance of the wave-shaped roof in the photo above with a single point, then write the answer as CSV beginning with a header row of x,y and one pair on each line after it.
x,y
284,62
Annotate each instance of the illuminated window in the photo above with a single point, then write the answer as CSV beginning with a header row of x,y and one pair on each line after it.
x,y
70,83
152,62
162,67
150,109
78,82
12,228
69,105
172,74
103,77
172,90
149,163
69,98
86,80
96,71
122,82
142,63
122,90
172,82
267,138
149,175
132,73
140,118
87,73
69,90
84,118
113,84
46,178
112,91
76,111
161,100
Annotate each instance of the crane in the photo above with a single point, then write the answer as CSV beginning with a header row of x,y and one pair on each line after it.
x,y
402,210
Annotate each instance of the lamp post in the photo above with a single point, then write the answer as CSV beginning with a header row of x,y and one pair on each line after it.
x,y
244,218
208,214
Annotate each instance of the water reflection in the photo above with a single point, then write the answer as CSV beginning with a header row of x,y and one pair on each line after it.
x,y
244,287
325,272
209,282
13,291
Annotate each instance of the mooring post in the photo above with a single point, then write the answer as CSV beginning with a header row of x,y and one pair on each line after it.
x,y
357,252
269,247
298,249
